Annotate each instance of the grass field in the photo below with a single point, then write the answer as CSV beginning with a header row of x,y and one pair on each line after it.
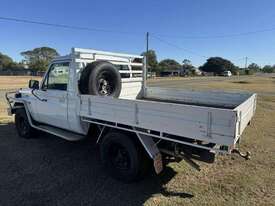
x,y
231,180
11,83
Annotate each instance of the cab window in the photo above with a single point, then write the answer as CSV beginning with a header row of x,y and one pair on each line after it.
x,y
57,77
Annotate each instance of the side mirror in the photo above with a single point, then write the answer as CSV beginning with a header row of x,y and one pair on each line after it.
x,y
33,84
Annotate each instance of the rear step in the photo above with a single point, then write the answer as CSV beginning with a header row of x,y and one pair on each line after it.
x,y
70,136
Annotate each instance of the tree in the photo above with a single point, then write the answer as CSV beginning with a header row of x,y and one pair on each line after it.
x,y
187,65
188,68
268,69
5,61
169,64
218,65
39,58
254,67
151,60
186,62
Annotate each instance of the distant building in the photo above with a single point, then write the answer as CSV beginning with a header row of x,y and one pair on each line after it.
x,y
190,71
170,73
197,71
25,64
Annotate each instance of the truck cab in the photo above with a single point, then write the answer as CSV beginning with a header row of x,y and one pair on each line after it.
x,y
56,101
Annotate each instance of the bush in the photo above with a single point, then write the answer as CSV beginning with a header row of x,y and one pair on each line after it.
x,y
249,71
268,69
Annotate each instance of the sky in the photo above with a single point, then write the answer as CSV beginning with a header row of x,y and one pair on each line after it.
x,y
179,29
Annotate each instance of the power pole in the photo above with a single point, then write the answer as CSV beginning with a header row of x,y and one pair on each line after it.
x,y
147,50
246,62
147,42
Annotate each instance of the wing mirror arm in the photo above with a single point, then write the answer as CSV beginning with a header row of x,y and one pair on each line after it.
x,y
33,84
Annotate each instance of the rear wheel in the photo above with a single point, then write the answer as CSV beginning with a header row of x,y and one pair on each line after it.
x,y
22,124
122,157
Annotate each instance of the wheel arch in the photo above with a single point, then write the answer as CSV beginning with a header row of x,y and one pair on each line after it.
x,y
111,129
16,106
139,141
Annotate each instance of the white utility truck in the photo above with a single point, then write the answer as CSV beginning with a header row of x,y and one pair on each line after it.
x,y
104,95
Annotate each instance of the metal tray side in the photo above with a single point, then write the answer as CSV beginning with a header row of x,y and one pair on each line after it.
x,y
208,124
245,112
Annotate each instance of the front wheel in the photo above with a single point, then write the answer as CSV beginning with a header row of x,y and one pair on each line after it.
x,y
22,124
122,157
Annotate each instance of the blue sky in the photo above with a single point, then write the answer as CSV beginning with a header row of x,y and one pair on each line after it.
x,y
170,20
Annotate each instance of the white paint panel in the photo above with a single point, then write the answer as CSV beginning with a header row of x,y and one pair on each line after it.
x,y
246,111
131,90
178,119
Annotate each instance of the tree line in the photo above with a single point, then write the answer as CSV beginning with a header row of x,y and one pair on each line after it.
x,y
216,65
39,58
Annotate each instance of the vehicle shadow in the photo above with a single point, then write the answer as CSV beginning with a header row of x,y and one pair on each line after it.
x,y
50,171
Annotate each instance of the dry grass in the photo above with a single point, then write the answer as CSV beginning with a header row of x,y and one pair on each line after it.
x,y
255,84
11,83
244,83
231,180
14,82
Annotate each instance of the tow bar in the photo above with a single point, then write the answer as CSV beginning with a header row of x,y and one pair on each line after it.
x,y
184,157
246,155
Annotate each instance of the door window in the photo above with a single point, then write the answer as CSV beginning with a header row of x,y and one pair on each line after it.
x,y
57,77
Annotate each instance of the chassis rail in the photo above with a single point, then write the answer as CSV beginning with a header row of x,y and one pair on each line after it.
x,y
156,134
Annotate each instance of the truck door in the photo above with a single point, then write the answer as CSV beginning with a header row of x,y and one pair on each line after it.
x,y
53,110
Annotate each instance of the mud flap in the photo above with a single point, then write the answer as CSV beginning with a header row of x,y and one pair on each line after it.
x,y
158,163
152,150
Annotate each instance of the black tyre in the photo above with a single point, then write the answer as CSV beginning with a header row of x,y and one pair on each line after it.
x,y
23,127
122,157
100,78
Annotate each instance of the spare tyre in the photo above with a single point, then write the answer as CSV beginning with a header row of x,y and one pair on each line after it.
x,y
100,78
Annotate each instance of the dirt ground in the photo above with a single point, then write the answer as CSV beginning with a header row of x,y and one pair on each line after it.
x,y
50,171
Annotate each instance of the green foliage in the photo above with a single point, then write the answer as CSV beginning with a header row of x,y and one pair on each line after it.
x,y
6,62
39,58
254,67
152,60
154,66
268,69
186,62
169,64
249,72
218,65
187,66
